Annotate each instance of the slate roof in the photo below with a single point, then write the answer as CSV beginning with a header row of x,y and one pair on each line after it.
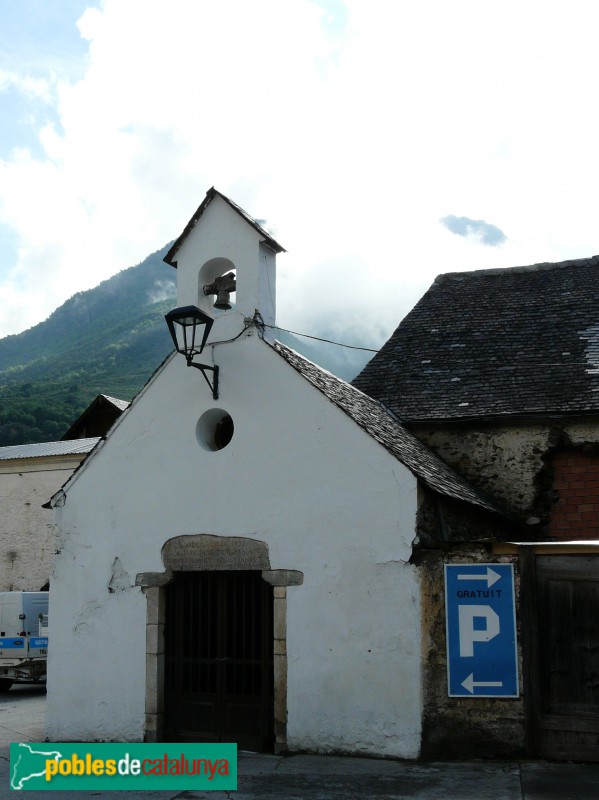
x,y
383,427
171,256
72,447
519,341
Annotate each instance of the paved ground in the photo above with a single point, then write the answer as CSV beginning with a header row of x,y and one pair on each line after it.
x,y
325,778
305,777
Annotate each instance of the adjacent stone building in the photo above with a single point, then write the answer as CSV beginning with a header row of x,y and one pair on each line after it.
x,y
498,372
29,475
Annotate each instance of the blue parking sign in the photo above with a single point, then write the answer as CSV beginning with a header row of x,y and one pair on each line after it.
x,y
482,653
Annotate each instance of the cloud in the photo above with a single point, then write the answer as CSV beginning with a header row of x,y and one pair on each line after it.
x,y
476,229
26,84
348,125
162,290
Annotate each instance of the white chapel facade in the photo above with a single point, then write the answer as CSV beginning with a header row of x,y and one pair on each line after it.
x,y
237,568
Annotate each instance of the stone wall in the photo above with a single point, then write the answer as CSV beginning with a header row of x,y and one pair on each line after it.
x,y
512,461
545,476
27,529
462,727
450,532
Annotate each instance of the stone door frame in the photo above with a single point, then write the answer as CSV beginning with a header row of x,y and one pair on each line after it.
x,y
203,553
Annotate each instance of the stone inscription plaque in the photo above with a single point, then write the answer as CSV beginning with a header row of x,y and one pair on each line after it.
x,y
204,552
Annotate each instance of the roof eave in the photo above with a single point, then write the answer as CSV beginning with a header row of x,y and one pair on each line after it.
x,y
468,493
507,416
171,257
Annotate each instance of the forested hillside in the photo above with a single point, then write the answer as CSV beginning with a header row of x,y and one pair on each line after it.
x,y
106,340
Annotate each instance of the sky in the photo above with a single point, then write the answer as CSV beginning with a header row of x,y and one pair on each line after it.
x,y
383,141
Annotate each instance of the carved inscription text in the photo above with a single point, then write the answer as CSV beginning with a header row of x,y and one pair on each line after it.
x,y
204,552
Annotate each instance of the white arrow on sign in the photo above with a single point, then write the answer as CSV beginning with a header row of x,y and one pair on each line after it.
x,y
470,684
490,577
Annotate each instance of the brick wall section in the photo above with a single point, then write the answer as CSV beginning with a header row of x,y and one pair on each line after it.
x,y
576,483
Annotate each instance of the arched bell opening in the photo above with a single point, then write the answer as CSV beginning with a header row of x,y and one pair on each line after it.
x,y
217,286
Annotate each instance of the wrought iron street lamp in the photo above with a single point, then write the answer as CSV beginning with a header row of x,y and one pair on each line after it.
x,y
187,326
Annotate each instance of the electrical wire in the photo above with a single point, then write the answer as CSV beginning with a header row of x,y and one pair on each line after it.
x,y
260,324
258,321
225,341
319,339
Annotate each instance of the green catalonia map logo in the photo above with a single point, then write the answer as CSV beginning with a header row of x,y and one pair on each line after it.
x,y
123,766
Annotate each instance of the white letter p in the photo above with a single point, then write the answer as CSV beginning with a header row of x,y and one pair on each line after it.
x,y
468,635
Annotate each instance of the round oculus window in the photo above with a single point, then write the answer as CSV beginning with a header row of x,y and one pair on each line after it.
x,y
215,429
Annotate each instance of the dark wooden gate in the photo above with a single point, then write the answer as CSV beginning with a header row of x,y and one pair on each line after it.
x,y
219,659
566,690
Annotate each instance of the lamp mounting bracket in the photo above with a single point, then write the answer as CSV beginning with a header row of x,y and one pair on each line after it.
x,y
204,368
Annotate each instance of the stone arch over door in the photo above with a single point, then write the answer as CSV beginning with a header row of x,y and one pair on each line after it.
x,y
207,553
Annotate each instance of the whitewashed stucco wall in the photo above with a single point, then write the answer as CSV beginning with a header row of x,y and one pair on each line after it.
x,y
299,475
27,529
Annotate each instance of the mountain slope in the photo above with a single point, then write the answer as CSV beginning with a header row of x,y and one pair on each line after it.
x,y
108,340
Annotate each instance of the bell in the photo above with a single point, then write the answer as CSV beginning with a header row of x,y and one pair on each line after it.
x,y
222,300
222,288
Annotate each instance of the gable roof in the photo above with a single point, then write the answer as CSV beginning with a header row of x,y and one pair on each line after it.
x,y
171,256
121,405
519,341
97,417
379,423
45,449
370,415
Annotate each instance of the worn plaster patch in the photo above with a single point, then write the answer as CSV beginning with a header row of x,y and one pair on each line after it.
x,y
120,580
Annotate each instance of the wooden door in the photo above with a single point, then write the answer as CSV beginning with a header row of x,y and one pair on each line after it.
x,y
566,716
219,659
